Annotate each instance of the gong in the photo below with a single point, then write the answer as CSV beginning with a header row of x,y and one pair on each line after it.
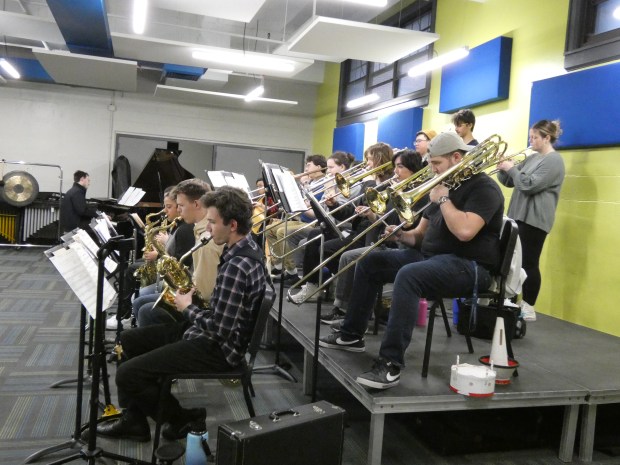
x,y
19,188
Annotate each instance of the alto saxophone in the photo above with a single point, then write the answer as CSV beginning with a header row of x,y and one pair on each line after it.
x,y
178,278
147,273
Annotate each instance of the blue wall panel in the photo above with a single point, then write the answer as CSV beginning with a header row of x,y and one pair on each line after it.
x,y
587,103
399,129
350,139
481,77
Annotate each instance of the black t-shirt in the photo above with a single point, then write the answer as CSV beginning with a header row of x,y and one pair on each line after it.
x,y
480,195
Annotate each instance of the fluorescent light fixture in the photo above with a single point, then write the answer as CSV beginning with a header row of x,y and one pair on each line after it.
x,y
378,3
139,15
242,59
439,61
255,93
9,68
365,100
208,93
616,13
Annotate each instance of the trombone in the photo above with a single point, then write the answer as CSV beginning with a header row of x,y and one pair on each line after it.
x,y
474,162
377,200
484,155
345,183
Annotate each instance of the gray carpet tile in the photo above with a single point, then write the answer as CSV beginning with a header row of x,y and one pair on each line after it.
x,y
39,318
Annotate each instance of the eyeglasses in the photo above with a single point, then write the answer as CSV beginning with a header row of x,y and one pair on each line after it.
x,y
419,141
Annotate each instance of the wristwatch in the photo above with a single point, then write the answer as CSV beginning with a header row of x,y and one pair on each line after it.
x,y
442,199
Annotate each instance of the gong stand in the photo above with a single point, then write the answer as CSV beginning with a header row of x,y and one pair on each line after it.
x,y
20,189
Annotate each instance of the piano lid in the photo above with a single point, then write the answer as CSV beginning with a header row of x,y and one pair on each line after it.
x,y
162,170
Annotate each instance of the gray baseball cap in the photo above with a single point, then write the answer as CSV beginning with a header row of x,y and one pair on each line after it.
x,y
446,143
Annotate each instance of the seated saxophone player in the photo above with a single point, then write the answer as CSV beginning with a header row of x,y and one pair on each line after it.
x,y
205,339
375,156
177,241
458,240
205,259
285,268
405,163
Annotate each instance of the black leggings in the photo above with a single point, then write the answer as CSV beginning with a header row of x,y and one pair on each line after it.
x,y
532,241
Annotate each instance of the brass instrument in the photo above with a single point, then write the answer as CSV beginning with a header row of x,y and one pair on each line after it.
x,y
147,273
377,200
484,155
345,183
178,278
516,158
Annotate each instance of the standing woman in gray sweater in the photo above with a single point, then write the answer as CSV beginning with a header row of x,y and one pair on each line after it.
x,y
537,183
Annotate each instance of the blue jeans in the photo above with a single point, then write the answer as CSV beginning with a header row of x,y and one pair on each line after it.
x,y
436,277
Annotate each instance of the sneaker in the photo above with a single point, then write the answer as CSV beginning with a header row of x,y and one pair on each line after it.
x,y
382,375
276,273
337,327
112,322
339,341
334,316
303,295
528,312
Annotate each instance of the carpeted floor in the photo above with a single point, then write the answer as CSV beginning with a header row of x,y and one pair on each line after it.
x,y
39,320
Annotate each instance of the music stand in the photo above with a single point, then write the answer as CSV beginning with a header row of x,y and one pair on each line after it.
x,y
91,452
276,368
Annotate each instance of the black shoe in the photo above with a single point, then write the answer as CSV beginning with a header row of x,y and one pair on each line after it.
x,y
334,316
339,341
382,375
190,420
128,426
337,327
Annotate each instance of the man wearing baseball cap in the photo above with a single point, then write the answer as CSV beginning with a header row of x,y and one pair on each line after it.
x,y
455,246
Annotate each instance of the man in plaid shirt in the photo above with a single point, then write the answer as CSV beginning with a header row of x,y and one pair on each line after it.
x,y
209,339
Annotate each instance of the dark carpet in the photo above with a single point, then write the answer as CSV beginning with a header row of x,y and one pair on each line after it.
x,y
39,320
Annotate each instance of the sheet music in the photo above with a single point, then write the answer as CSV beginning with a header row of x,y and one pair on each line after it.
x,y
82,237
77,268
228,178
100,227
287,185
131,196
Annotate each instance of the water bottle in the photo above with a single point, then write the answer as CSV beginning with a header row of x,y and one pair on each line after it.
x,y
422,312
455,311
197,448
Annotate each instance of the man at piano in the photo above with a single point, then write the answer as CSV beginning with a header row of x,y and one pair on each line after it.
x,y
73,209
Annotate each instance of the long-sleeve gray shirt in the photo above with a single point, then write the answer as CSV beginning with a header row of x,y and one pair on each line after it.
x,y
537,183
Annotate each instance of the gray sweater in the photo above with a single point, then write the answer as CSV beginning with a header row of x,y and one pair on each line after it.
x,y
537,183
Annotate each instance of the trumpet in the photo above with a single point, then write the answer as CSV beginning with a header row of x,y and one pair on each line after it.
x,y
516,158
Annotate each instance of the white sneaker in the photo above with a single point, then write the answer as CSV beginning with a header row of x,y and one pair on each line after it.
x,y
528,312
305,291
111,322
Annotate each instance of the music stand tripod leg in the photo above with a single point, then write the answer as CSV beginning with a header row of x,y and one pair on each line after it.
x,y
75,440
276,368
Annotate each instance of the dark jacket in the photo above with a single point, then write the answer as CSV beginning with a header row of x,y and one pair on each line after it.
x,y
73,209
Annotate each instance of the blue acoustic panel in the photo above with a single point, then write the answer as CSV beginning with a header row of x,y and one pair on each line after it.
x,y
399,129
481,77
29,69
350,139
587,103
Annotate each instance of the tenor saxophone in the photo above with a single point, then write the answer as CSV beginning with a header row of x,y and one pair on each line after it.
x,y
178,278
147,273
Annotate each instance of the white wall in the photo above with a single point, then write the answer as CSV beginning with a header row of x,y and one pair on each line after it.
x,y
76,129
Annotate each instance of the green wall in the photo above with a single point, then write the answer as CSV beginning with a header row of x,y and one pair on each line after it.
x,y
326,110
580,259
